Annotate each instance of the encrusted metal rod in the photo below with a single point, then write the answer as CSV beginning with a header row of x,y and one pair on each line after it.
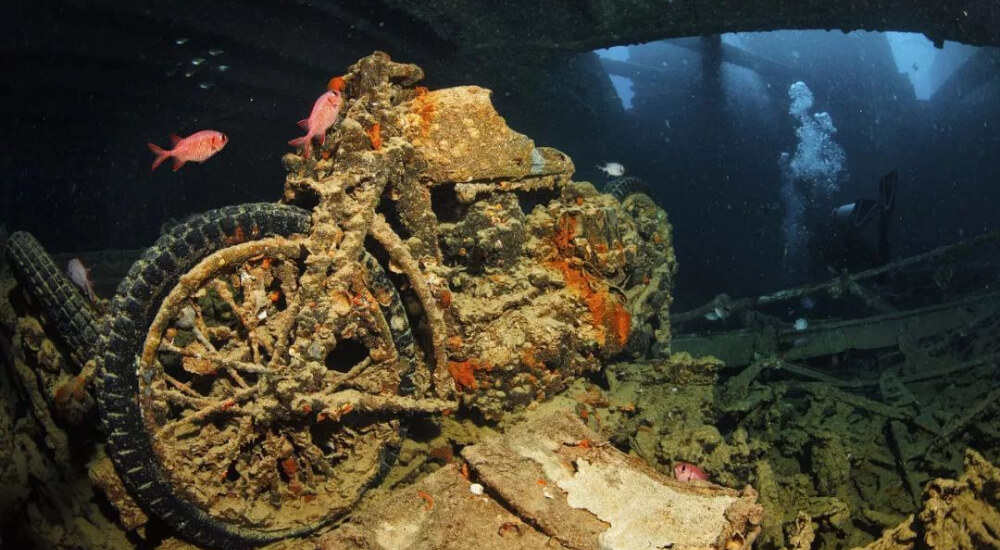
x,y
240,366
343,401
842,282
227,404
400,255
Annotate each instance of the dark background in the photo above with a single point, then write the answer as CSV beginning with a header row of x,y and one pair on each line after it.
x,y
86,85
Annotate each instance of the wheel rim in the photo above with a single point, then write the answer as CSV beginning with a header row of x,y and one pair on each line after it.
x,y
224,389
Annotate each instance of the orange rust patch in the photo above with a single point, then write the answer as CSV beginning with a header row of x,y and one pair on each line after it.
x,y
79,388
565,231
541,482
375,135
290,466
237,237
428,499
444,453
274,296
336,84
465,470
621,324
421,90
455,342
60,395
425,108
444,298
528,357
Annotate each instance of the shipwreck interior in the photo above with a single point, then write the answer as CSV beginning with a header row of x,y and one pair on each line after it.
x,y
453,320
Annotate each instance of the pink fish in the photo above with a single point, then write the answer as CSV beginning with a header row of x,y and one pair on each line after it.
x,y
81,278
198,147
685,471
324,115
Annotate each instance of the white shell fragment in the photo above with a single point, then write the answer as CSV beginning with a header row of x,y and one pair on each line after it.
x,y
476,489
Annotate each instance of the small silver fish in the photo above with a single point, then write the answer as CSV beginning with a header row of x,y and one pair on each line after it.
x,y
206,85
181,41
81,278
215,51
613,169
223,68
717,314
197,61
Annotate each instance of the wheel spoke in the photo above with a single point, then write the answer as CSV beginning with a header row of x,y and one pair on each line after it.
x,y
239,366
230,405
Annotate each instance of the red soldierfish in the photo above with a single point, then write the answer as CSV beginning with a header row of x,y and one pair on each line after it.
x,y
324,115
685,471
198,147
80,277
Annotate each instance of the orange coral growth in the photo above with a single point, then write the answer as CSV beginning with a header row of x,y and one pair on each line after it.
x,y
464,373
375,135
421,90
607,315
336,84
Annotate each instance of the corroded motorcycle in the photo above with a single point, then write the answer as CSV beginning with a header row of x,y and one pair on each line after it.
x,y
259,360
